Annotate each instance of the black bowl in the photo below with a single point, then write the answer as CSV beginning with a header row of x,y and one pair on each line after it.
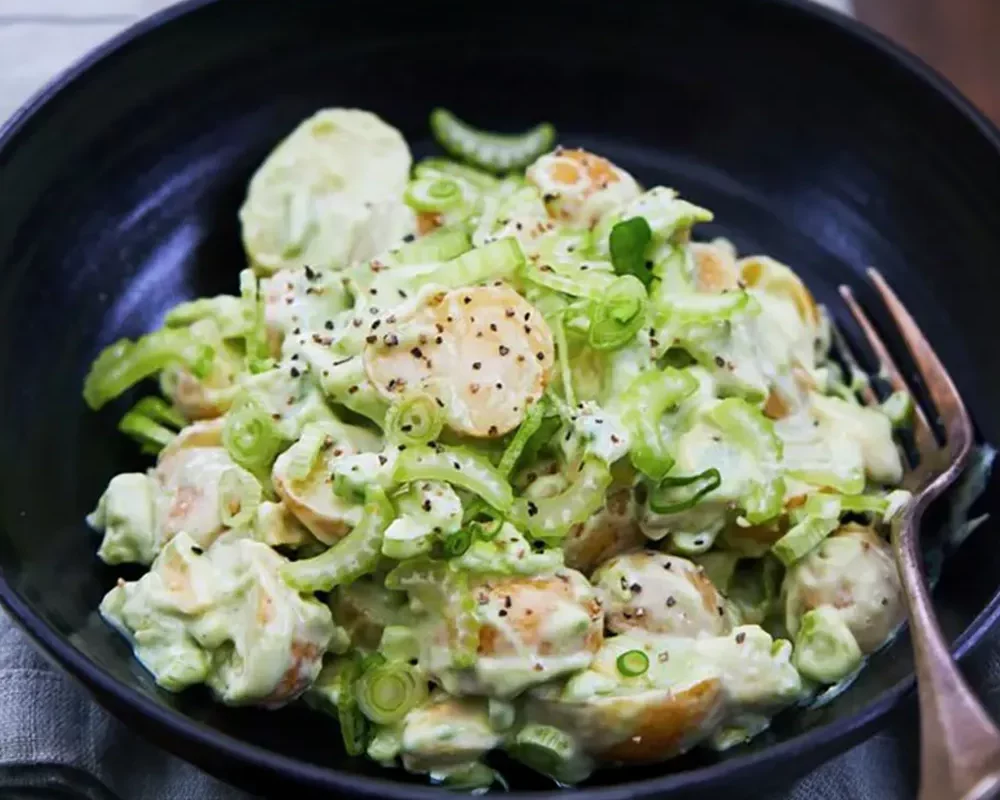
x,y
811,138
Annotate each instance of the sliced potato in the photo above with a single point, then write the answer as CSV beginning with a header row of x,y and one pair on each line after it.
x,y
580,187
611,531
189,478
660,593
484,353
715,266
312,500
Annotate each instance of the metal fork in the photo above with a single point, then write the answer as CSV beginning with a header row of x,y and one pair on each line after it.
x,y
959,743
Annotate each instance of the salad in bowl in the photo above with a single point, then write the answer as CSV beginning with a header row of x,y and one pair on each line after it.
x,y
488,453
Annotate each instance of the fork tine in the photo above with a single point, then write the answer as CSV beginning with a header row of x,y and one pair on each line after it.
x,y
939,384
923,435
867,393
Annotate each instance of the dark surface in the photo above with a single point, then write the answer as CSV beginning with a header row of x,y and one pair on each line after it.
x,y
119,198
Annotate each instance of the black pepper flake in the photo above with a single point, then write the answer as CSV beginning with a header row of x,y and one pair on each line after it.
x,y
438,340
477,364
352,389
671,602
295,357
373,292
499,385
532,509
328,324
507,602
527,315
635,588
356,322
722,612
311,274
390,340
540,356
295,372
493,430
502,612
439,401
509,312
456,465
740,637
297,331
371,339
649,265
503,349
409,237
406,428
196,550
382,460
401,448
376,324
467,299
416,352
720,361
667,565
401,293
885,601
493,327
426,505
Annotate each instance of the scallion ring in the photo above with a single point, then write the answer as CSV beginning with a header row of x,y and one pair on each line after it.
x,y
456,543
416,419
632,663
433,194
387,692
618,317
675,494
250,436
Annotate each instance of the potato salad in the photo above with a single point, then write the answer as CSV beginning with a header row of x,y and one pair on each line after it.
x,y
493,452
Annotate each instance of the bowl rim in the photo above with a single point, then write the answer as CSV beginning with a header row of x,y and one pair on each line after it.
x,y
174,723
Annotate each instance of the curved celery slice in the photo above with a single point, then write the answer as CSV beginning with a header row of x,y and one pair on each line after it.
x,y
431,167
591,285
529,426
752,431
458,467
644,402
498,260
441,245
123,364
550,518
803,537
355,555
700,308
496,152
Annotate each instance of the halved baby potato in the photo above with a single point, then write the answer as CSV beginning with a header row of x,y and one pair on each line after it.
x,y
484,353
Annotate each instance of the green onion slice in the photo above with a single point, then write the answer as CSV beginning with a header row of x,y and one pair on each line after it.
x,y
619,315
414,420
675,494
250,435
385,693
632,663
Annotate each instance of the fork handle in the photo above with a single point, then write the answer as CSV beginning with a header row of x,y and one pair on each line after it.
x,y
959,743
